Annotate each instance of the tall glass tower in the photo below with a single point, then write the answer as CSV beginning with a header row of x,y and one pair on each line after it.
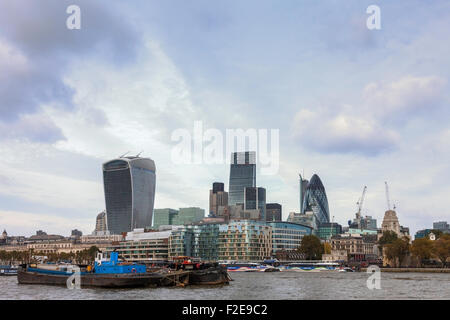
x,y
315,200
303,184
242,175
129,184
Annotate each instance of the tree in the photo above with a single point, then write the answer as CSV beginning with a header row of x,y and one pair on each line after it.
x,y
311,248
326,248
422,249
388,237
397,250
92,251
441,249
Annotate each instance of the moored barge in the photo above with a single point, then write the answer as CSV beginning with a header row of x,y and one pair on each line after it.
x,y
105,274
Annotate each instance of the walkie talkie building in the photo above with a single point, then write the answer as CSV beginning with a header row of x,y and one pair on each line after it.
x,y
129,184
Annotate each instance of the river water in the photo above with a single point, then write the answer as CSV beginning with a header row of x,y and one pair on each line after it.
x,y
259,286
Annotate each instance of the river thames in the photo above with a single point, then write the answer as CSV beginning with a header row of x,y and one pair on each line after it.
x,y
258,286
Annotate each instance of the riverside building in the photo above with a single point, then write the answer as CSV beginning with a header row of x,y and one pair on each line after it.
x,y
287,235
245,241
144,246
129,184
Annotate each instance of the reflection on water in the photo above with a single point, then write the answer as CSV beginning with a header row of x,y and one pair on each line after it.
x,y
260,285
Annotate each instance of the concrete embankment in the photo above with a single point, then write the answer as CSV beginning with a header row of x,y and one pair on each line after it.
x,y
429,270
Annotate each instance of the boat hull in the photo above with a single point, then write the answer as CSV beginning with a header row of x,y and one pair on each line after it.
x,y
92,280
212,276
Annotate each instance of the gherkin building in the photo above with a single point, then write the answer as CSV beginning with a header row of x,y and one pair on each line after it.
x,y
315,200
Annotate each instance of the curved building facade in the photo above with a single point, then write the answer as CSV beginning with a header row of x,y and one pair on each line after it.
x,y
315,200
129,185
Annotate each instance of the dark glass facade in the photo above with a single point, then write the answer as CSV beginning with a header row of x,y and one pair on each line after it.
x,y
129,185
255,198
273,212
316,200
303,184
242,175
218,186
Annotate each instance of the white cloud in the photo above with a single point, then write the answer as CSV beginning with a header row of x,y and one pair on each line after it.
x,y
373,126
406,96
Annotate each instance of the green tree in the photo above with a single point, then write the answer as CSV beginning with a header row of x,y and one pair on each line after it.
x,y
311,248
441,249
387,238
92,251
397,251
422,249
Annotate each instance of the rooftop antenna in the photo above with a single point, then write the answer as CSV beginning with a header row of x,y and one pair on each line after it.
x,y
124,154
139,153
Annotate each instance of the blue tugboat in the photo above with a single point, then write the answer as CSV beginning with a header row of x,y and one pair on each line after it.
x,y
106,273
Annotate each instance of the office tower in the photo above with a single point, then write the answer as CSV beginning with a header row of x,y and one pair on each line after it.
x,y
442,226
315,200
100,223
303,184
328,230
217,198
273,212
242,175
163,217
129,184
368,223
255,199
188,215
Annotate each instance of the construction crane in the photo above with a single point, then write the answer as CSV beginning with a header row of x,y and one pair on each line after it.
x,y
360,203
387,196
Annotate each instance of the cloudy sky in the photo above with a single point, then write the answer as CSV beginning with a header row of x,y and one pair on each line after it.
x,y
356,106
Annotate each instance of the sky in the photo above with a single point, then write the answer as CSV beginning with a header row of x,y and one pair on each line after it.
x,y
356,106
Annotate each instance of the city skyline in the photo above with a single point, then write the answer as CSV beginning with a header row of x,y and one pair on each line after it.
x,y
357,107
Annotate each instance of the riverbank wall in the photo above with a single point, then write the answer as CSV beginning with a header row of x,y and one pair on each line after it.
x,y
426,270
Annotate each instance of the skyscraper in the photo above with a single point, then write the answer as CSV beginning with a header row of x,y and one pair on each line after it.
x,y
217,198
315,200
255,199
100,223
303,184
242,175
273,212
129,184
